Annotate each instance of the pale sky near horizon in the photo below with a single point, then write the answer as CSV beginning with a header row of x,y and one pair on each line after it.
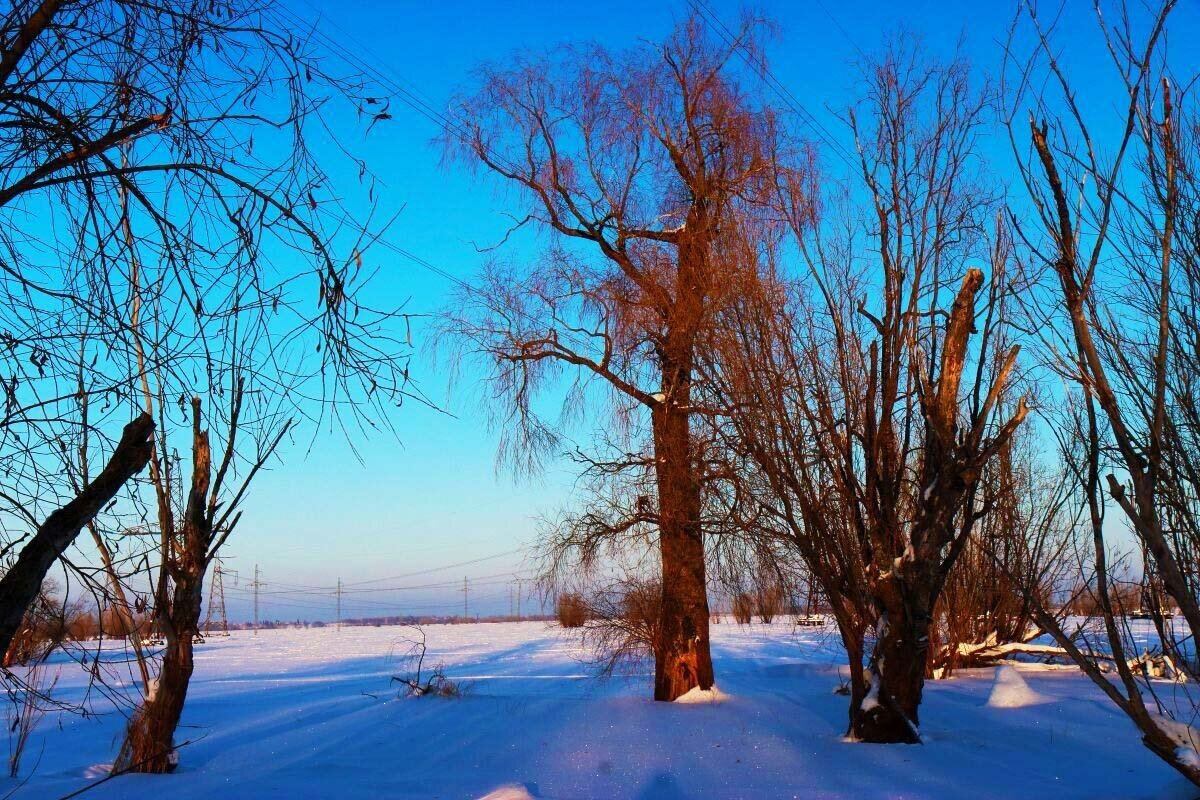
x,y
431,496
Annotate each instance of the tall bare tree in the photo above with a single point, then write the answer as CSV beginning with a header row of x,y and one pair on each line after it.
x,y
652,170
157,155
1112,229
857,396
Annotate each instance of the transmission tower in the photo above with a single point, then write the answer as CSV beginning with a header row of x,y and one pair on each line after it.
x,y
216,604
256,584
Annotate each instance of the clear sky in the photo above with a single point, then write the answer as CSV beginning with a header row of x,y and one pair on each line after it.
x,y
432,497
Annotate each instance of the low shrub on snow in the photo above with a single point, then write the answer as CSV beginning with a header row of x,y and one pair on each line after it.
x,y
622,624
417,682
571,610
743,608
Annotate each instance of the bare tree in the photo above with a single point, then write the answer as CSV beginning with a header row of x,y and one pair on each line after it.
x,y
856,395
653,171
151,151
1112,230
1020,556
164,146
192,539
622,624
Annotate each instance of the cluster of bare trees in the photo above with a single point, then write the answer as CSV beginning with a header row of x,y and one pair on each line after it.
x,y
1113,238
166,227
806,381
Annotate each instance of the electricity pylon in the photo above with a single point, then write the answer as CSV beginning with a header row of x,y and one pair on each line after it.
x,y
216,604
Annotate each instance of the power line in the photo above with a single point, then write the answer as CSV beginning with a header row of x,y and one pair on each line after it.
x,y
408,91
308,599
377,607
316,591
845,33
340,586
331,591
403,89
442,568
764,73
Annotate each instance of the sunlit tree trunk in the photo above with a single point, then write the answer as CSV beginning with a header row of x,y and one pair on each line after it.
x,y
681,659
149,740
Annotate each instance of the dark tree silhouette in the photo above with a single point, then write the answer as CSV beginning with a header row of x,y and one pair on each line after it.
x,y
855,398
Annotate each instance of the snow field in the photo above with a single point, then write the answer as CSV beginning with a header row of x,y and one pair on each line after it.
x,y
313,714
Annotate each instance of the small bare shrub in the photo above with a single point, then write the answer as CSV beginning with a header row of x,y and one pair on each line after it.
x,y
42,630
572,610
768,602
622,624
114,624
419,683
743,608
27,706
83,627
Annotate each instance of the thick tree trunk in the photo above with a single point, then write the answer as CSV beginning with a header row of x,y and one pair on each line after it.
x,y
149,744
20,585
682,660
150,740
889,712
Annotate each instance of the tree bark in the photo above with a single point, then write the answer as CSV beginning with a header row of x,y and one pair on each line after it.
x,y
21,584
682,660
889,712
150,740
906,588
149,744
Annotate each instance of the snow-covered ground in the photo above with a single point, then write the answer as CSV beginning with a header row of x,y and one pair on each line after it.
x,y
313,713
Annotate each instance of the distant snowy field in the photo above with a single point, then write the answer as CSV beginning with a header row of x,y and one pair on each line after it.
x,y
312,713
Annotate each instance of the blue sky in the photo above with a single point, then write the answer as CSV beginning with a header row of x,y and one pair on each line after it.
x,y
431,496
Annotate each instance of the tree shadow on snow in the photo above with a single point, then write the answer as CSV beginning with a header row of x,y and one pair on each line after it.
x,y
663,786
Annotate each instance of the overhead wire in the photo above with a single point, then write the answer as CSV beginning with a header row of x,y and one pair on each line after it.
x,y
764,73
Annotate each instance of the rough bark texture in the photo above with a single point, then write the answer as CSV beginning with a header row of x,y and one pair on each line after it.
x,y
682,659
905,589
20,585
149,741
897,669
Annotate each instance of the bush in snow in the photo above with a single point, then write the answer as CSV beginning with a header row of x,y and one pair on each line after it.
x,y
622,623
769,602
571,610
419,683
743,608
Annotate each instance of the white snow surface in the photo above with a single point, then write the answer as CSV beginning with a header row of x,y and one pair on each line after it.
x,y
312,713
510,792
1011,690
698,695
